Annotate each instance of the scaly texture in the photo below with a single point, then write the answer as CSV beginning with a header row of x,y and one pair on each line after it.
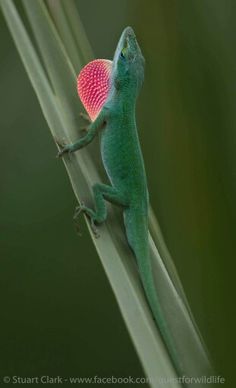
x,y
93,85
110,100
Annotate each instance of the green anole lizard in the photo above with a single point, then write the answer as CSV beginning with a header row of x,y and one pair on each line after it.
x,y
109,91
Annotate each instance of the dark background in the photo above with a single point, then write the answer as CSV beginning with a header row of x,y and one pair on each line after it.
x,y
58,313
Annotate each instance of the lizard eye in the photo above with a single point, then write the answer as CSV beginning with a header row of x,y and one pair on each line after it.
x,y
122,53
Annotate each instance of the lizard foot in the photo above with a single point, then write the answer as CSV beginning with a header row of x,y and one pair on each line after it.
x,y
94,228
88,212
78,210
64,148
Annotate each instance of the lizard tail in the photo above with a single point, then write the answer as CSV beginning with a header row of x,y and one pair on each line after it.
x,y
137,233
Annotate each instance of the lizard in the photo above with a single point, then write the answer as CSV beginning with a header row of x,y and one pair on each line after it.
x,y
109,91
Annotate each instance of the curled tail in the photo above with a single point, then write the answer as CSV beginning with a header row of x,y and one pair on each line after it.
x,y
137,233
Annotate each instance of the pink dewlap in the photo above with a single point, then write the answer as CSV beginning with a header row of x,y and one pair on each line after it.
x,y
93,84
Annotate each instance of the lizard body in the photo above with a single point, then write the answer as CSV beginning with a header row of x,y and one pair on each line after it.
x,y
123,162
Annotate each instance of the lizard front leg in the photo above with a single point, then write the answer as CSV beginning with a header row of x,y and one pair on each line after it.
x,y
101,193
92,131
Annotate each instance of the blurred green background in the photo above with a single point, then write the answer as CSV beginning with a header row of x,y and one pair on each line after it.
x,y
58,313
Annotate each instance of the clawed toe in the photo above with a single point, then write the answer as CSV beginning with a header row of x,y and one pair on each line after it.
x,y
64,148
83,209
94,229
78,210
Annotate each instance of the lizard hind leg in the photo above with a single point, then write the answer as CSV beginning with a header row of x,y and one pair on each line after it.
x,y
101,193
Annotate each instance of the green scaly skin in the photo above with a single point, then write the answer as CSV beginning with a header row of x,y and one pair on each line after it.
x,y
123,162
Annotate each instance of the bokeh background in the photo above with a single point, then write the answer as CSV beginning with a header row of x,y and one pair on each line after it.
x,y
58,313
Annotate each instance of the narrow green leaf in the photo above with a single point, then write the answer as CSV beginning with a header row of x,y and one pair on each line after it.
x,y
33,66
189,346
69,27
63,28
54,56
61,111
60,72
111,246
172,292
83,45
158,239
77,35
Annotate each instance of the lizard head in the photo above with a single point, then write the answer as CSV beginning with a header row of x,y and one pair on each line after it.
x,y
126,72
128,62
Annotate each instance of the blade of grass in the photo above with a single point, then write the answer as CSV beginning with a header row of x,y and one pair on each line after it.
x,y
189,345
165,256
59,17
76,30
116,257
169,288
80,37
158,239
33,68
59,69
55,57
73,37
112,247
64,15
